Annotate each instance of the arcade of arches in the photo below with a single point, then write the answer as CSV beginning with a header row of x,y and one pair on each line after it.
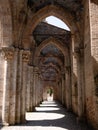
x,y
37,58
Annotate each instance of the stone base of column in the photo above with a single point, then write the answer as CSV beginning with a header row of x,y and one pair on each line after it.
x,y
32,109
69,110
23,120
5,124
81,119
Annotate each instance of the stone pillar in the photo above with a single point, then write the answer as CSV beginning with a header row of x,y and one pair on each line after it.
x,y
60,90
63,89
31,89
12,113
19,88
25,60
28,90
40,89
68,88
9,92
79,53
35,87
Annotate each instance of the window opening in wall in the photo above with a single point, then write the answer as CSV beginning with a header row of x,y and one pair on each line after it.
x,y
56,22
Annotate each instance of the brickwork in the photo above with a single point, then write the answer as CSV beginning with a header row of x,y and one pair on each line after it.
x,y
94,53
89,77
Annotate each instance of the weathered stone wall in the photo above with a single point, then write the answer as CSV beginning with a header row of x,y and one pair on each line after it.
x,y
90,40
94,54
74,80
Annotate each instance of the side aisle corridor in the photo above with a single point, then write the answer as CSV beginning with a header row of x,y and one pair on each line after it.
x,y
50,115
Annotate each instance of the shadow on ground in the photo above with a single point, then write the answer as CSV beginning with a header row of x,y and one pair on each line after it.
x,y
50,115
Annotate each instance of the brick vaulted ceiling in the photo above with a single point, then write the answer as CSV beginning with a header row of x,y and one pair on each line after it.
x,y
71,5
75,7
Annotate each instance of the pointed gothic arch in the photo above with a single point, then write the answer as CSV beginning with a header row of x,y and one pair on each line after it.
x,y
50,41
49,10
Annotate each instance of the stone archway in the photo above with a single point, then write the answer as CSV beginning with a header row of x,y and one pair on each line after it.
x,y
56,11
50,41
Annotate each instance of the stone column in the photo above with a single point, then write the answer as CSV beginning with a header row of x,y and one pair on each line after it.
x,y
35,86
9,92
68,88
19,88
28,90
60,91
63,89
31,89
79,53
25,60
40,89
12,113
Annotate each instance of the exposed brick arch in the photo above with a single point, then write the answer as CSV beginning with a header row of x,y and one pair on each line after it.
x,y
50,41
5,23
49,10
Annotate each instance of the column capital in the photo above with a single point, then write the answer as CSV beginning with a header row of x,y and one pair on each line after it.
x,y
8,53
25,56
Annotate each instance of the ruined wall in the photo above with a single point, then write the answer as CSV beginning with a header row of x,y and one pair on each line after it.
x,y
89,60
94,54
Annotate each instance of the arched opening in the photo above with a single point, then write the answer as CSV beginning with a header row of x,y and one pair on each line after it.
x,y
44,13
56,22
50,94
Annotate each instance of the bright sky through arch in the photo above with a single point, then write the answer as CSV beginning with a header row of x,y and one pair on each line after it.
x,y
57,22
